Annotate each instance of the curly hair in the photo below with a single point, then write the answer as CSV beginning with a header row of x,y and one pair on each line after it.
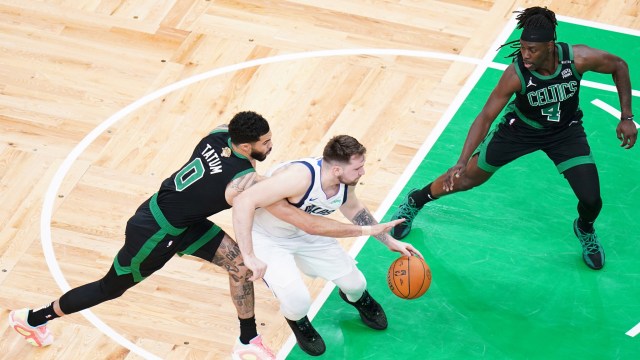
x,y
533,19
247,127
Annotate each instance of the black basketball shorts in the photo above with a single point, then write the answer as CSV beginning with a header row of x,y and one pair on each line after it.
x,y
566,147
150,243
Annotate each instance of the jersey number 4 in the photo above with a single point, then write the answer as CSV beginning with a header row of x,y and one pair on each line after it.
x,y
552,112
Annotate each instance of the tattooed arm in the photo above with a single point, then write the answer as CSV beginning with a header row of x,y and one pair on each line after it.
x,y
238,185
354,210
324,226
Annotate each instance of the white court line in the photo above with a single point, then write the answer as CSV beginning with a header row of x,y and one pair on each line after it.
x,y
54,186
413,165
634,330
610,109
596,25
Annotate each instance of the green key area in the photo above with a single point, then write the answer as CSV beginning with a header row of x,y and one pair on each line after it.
x,y
508,278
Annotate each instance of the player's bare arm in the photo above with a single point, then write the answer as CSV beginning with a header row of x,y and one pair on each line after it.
x,y
240,184
508,85
590,59
324,226
354,210
290,183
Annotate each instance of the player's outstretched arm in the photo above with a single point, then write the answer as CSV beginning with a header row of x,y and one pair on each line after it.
x,y
324,226
354,210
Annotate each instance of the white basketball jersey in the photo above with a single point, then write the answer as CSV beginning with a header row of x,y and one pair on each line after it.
x,y
314,202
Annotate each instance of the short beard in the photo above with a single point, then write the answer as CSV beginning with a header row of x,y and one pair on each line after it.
x,y
353,183
258,155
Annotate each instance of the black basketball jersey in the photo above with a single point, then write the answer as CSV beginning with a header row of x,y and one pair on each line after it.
x,y
551,101
197,190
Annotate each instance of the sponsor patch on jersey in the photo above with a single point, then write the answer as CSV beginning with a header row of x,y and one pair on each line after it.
x,y
566,73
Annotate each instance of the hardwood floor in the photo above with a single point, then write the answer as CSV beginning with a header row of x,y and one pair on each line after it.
x,y
69,66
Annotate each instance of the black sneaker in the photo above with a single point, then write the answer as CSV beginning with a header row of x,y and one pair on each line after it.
x,y
370,311
592,252
308,338
408,211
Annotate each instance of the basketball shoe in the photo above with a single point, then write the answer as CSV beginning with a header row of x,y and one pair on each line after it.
x,y
308,338
254,350
35,335
407,210
592,251
370,311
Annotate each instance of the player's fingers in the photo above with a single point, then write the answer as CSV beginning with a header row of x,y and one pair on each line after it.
x,y
625,141
416,253
397,221
256,276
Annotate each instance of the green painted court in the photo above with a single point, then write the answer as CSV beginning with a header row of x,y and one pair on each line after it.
x,y
508,277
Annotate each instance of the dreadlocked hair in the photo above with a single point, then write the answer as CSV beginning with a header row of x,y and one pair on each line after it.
x,y
533,17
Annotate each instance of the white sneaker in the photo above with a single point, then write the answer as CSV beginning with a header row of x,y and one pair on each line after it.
x,y
254,350
37,336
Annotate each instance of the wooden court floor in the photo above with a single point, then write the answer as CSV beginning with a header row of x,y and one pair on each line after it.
x,y
93,118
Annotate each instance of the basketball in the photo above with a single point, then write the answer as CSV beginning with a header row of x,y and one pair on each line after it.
x,y
409,277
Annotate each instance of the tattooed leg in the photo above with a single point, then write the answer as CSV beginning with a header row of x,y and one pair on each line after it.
x,y
229,258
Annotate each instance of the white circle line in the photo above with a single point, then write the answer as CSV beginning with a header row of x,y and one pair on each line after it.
x,y
54,186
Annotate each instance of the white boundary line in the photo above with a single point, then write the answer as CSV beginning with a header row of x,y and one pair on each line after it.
x,y
54,186
597,25
634,331
411,168
610,109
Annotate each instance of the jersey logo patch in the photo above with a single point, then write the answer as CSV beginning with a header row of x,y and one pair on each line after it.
x,y
566,73
531,83
226,152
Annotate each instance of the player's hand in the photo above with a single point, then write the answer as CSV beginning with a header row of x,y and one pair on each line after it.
x,y
384,228
627,132
257,267
453,173
403,248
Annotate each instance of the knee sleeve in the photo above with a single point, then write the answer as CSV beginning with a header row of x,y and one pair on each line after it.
x,y
83,297
353,284
295,302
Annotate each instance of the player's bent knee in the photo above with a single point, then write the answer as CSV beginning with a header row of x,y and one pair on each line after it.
x,y
352,284
294,305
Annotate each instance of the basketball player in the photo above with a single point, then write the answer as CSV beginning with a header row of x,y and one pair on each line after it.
x,y
545,115
276,250
174,221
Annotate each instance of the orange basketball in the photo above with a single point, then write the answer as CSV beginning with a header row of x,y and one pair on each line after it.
x,y
409,277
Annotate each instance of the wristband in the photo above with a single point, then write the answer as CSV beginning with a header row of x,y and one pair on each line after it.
x,y
630,118
366,230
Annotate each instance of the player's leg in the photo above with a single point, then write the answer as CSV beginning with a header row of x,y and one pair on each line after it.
x,y
572,156
324,257
585,184
32,323
497,149
207,241
352,288
286,283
